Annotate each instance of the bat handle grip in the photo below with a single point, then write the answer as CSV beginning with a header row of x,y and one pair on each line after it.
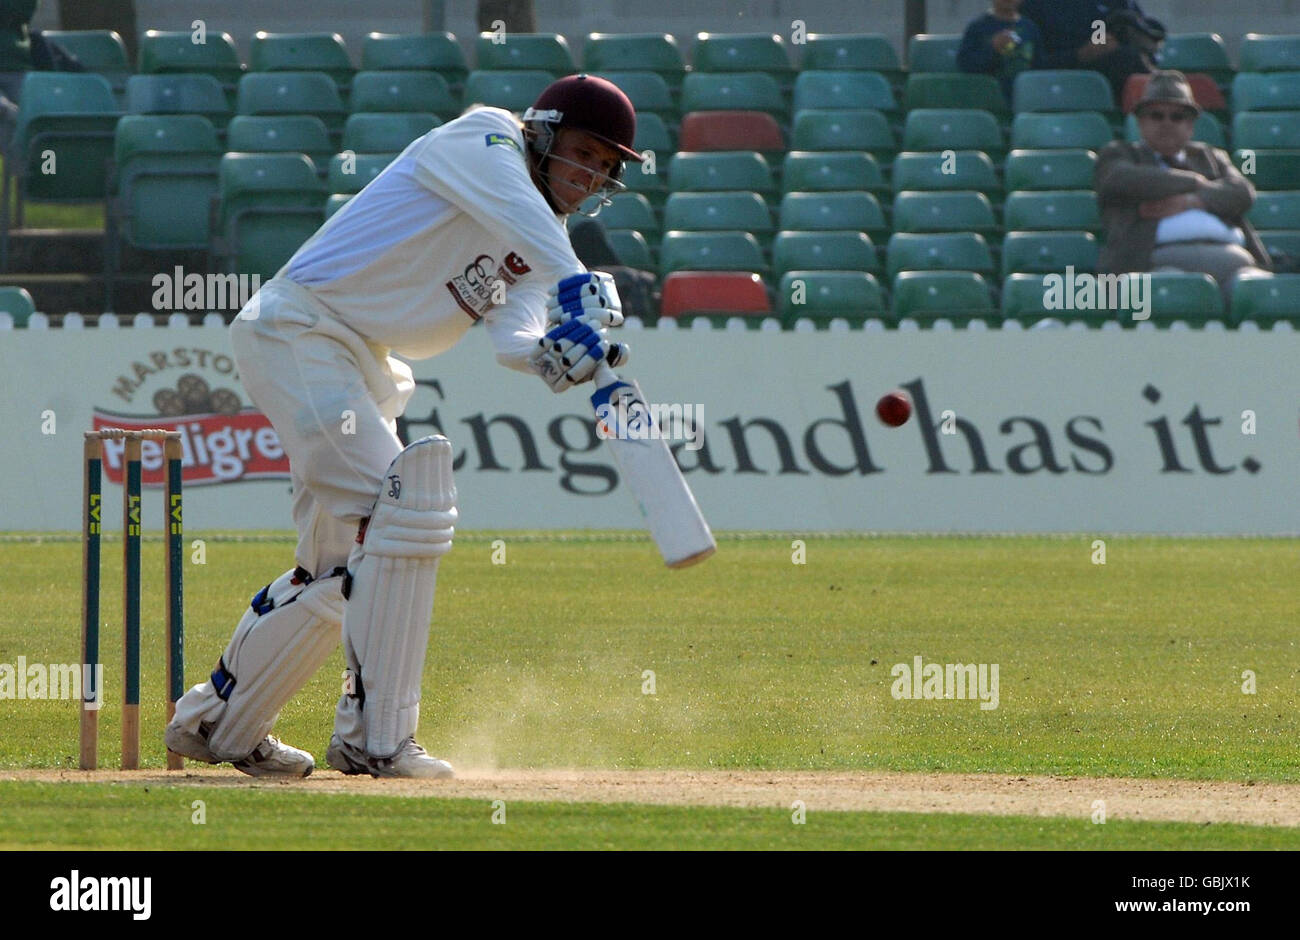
x,y
604,375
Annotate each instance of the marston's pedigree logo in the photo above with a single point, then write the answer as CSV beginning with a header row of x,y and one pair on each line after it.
x,y
222,441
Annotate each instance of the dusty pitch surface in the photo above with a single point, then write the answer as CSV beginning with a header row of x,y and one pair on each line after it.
x,y
1263,804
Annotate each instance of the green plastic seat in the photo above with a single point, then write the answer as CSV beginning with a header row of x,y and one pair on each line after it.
x,y
824,251
710,251
844,211
282,133
843,91
933,52
812,171
514,91
733,91
18,303
1080,130
719,171
1270,169
631,210
1054,209
1197,52
741,52
822,296
971,169
647,91
1207,130
631,247
385,133
712,212
861,52
944,212
1266,91
1282,241
1275,210
974,92
938,129
175,51
336,201
301,52
181,93
1048,252
1025,300
545,52
270,203
1263,53
1266,300
947,251
98,50
652,134
1182,295
1050,169
419,92
957,296
351,173
1266,130
1062,90
275,93
654,186
421,52
649,52
75,116
844,130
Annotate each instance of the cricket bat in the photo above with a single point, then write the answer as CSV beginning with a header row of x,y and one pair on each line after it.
x,y
650,471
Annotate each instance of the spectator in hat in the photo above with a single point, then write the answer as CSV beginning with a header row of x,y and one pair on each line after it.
x,y
1168,202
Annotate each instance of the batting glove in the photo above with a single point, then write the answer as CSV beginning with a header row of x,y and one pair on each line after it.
x,y
570,353
591,296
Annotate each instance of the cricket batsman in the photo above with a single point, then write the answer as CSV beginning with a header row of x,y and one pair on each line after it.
x,y
467,224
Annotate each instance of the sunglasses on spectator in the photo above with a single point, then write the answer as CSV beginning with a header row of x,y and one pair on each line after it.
x,y
1178,117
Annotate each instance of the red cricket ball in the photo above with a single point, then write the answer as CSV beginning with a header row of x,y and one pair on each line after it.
x,y
894,408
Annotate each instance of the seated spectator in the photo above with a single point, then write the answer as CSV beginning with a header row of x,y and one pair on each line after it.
x,y
1001,43
1131,37
1168,202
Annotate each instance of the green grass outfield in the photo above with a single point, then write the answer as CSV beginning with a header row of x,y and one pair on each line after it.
x,y
1129,669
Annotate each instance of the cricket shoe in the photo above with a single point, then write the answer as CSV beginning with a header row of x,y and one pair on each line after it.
x,y
411,761
271,758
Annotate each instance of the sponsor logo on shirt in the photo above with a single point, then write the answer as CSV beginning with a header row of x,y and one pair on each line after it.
x,y
505,140
473,288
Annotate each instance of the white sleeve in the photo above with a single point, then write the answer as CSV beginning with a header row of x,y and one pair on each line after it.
x,y
477,163
517,325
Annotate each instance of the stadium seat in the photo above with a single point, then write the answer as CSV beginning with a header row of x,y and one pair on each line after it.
x,y
18,303
948,251
821,296
281,133
1204,89
847,211
1207,130
714,212
944,212
829,171
514,91
1056,209
741,52
1266,130
518,52
710,251
420,92
385,133
1081,130
720,171
302,52
631,247
1197,52
276,93
1269,169
270,203
977,92
652,134
957,296
336,201
715,294
844,130
654,186
1062,90
845,91
1182,295
651,52
933,52
1024,300
632,210
823,251
166,52
1279,210
730,130
351,173
421,52
178,94
1050,169
733,91
98,50
1047,252
1282,242
857,52
1262,53
647,91
1266,91
1264,300
970,169
938,129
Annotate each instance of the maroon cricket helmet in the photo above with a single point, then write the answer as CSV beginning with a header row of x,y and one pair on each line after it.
x,y
588,103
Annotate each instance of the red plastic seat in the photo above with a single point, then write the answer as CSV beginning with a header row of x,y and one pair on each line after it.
x,y
734,293
730,130
1204,90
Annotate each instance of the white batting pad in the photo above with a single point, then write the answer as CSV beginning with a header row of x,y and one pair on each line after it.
x,y
386,621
